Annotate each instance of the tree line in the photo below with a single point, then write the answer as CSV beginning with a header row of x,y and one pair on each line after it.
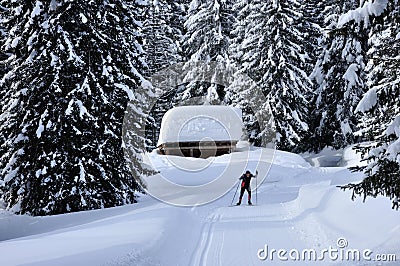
x,y
329,71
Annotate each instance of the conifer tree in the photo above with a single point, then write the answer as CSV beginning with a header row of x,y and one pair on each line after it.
x,y
272,52
339,77
207,39
379,108
74,67
162,34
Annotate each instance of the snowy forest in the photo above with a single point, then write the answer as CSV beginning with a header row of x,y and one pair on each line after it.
x,y
329,71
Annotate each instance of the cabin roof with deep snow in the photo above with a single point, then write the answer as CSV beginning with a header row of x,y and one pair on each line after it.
x,y
202,122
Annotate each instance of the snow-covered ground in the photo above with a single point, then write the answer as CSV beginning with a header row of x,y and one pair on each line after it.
x,y
299,208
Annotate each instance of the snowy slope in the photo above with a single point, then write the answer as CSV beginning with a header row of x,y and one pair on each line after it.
x,y
299,207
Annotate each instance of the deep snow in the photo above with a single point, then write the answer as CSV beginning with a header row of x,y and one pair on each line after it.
x,y
195,123
299,207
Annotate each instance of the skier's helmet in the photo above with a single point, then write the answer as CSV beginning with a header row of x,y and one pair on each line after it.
x,y
248,172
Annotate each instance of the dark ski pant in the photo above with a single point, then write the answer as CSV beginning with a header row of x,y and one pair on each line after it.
x,y
242,189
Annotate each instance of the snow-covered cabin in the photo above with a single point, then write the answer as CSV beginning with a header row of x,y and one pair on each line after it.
x,y
200,131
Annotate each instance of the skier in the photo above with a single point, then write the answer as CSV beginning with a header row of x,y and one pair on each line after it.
x,y
396,203
246,178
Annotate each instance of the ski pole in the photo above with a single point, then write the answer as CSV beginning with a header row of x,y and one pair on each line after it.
x,y
235,192
256,187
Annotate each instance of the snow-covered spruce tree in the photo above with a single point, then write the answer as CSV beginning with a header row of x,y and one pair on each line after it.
x,y
272,52
3,70
74,67
241,10
327,20
162,35
205,39
163,31
380,106
3,55
208,27
340,81
312,28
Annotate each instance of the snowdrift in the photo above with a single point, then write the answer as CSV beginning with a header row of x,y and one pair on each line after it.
x,y
299,207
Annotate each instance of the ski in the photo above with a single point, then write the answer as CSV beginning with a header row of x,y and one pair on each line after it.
x,y
243,205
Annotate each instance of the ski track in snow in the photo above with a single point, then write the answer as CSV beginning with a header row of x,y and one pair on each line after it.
x,y
209,250
299,207
202,249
